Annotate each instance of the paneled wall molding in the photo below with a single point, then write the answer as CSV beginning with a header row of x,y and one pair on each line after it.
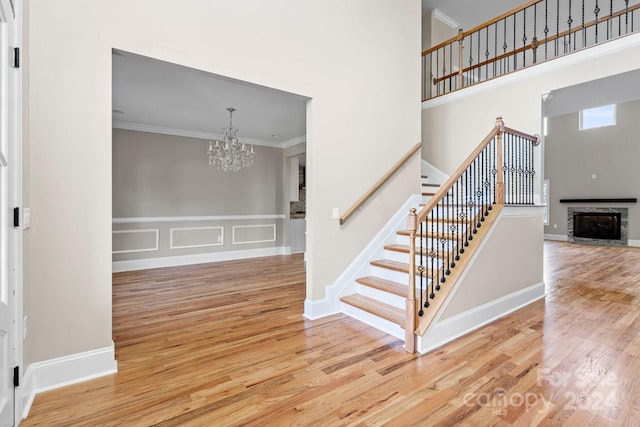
x,y
236,239
147,249
131,220
203,135
173,236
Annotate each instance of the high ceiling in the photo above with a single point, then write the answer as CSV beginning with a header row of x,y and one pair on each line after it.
x,y
469,13
155,95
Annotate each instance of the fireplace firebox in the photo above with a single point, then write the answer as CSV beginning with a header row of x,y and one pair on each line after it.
x,y
598,226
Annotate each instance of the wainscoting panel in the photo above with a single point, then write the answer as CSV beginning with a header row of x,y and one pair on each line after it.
x,y
243,234
130,241
195,237
151,242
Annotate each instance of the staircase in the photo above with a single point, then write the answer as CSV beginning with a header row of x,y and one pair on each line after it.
x,y
383,293
431,252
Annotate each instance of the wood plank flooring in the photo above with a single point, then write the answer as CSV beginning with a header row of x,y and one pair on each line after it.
x,y
225,344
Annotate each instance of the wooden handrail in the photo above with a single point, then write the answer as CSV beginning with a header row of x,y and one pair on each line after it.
x,y
362,200
533,45
481,26
499,128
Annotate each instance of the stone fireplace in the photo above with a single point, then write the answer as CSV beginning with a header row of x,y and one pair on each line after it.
x,y
598,226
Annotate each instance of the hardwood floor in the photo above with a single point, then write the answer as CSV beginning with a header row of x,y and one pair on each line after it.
x,y
225,344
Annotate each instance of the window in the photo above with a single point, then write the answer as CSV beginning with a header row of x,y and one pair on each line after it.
x,y
545,200
598,117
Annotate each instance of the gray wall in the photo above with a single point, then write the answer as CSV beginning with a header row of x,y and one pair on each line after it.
x,y
161,182
572,157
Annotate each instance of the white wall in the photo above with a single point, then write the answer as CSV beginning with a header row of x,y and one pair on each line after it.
x,y
454,124
357,60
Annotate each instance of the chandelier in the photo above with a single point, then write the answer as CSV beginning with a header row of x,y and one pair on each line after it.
x,y
229,154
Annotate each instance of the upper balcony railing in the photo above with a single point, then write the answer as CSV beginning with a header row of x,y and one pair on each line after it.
x,y
535,32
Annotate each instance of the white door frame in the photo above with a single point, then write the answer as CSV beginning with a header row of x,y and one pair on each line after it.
x,y
15,237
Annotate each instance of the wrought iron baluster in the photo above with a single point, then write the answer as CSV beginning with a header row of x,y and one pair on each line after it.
x,y
535,33
584,31
432,255
495,48
479,76
486,55
569,22
421,270
451,79
515,57
626,16
504,60
596,11
557,26
524,37
546,28
457,220
449,232
610,21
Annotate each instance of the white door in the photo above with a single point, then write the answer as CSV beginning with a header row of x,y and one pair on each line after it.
x,y
8,233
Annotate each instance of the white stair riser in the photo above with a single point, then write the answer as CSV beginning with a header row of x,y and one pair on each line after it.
x,y
396,276
385,273
373,320
404,257
382,296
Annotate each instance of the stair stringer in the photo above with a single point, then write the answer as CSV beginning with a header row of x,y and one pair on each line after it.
x,y
507,265
345,284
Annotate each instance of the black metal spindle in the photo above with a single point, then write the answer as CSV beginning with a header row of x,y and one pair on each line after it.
x,y
584,32
449,232
495,47
610,21
479,76
557,25
486,55
569,22
596,11
546,28
626,16
515,57
421,270
535,33
524,37
453,78
432,256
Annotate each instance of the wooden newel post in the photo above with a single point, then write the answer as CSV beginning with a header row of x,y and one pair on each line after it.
x,y
499,164
410,309
460,67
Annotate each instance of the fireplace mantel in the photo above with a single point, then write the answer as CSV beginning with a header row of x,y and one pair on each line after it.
x,y
596,200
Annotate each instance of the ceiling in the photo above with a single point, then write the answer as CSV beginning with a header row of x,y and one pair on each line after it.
x,y
469,13
158,96
161,97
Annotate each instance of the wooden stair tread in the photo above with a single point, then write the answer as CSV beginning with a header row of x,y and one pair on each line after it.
x,y
436,235
401,267
380,309
405,249
428,194
426,184
384,285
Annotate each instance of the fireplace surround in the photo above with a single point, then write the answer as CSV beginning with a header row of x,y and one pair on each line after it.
x,y
598,226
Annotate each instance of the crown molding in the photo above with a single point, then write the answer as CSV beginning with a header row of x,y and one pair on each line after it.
x,y
440,16
294,141
202,135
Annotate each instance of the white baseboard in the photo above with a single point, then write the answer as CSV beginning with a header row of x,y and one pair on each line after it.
x,y
67,370
172,261
558,237
448,330
563,238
